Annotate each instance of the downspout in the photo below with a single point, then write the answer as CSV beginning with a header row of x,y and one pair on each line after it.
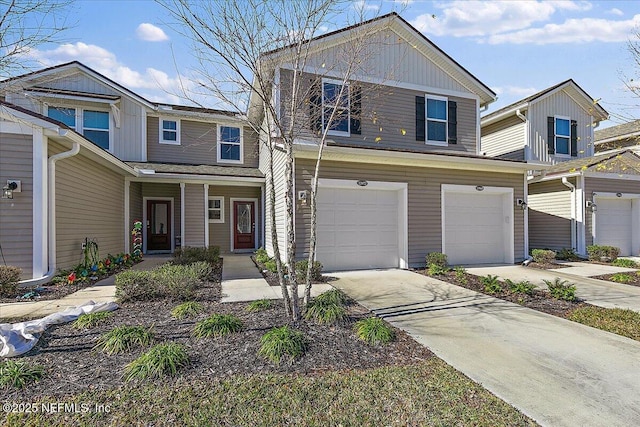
x,y
51,203
572,187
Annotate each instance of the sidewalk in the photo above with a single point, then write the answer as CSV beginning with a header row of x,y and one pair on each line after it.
x,y
102,291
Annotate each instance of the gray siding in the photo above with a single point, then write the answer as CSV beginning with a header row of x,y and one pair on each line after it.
x,y
194,215
504,139
152,190
279,207
135,206
424,199
16,216
549,215
220,233
197,144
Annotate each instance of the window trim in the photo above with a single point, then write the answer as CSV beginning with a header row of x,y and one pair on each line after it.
x,y
221,209
346,133
555,137
161,130
219,144
80,121
428,141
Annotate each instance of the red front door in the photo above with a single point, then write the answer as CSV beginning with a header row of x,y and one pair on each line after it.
x,y
244,225
158,225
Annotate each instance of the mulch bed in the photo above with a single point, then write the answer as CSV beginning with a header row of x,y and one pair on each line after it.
x,y
72,366
272,278
635,278
539,300
547,265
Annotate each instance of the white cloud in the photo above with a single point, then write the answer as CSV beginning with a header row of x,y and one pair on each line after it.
x,y
151,33
616,11
517,91
362,5
572,31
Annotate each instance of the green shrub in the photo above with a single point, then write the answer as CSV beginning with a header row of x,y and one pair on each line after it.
x,y
259,305
187,309
543,256
91,320
316,270
461,275
189,255
136,285
325,312
271,266
622,278
436,270
374,331
17,374
523,287
9,278
567,254
602,253
333,296
437,258
282,343
491,284
261,256
123,338
179,282
217,325
560,289
625,262
160,360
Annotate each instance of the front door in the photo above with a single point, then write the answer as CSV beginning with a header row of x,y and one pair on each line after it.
x,y
244,225
158,225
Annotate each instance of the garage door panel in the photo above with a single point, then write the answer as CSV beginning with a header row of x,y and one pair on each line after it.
x,y
614,224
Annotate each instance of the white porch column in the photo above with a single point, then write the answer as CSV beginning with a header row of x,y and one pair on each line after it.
x,y
127,208
206,215
182,222
40,265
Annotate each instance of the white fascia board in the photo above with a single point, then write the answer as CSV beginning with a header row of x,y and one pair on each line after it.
x,y
199,117
173,178
12,115
484,121
617,138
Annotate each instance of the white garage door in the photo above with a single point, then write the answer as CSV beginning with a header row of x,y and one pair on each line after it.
x,y
357,228
477,227
614,224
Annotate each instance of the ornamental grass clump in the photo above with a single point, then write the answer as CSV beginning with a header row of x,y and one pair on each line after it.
x,y
374,331
124,338
283,343
259,305
217,325
91,320
159,361
18,374
187,309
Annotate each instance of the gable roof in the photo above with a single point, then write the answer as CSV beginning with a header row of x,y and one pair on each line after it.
x,y
619,132
585,101
618,161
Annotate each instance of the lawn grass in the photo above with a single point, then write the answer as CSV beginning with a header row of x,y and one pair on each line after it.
x,y
430,393
617,320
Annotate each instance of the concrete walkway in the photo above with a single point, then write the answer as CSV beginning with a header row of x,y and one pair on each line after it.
x,y
558,372
242,281
594,291
102,291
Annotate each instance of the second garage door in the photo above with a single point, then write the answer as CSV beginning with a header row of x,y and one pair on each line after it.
x,y
614,224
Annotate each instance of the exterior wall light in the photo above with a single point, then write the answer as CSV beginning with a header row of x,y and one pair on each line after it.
x,y
521,204
591,205
11,187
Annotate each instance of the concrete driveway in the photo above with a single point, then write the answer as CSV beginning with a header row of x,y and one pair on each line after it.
x,y
594,291
557,372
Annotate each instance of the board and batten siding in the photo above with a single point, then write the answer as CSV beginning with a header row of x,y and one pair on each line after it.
x,y
279,207
558,104
424,199
89,204
194,215
604,185
135,204
163,191
16,215
198,144
504,139
549,215
220,234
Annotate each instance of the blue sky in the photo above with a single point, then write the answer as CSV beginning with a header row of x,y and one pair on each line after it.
x,y
515,47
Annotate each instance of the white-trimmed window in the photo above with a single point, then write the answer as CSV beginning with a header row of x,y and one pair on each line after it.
x,y
93,124
64,115
333,100
215,209
436,117
229,144
169,131
562,131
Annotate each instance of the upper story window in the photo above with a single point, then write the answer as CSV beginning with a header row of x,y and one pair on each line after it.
x,y
436,120
169,131
229,144
93,124
562,138
562,135
335,107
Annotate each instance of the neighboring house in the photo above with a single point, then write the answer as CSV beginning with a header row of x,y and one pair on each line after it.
x,y
401,175
189,173
620,136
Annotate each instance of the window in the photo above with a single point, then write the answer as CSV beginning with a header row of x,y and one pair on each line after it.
x,y
94,124
215,209
436,120
169,132
332,100
229,144
562,135
64,115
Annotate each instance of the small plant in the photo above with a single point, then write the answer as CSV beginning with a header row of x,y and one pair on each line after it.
x,y
491,284
17,374
136,285
179,282
9,278
325,312
437,258
160,360
625,262
523,287
217,325
436,270
602,253
123,338
622,278
259,305
374,331
334,296
187,309
190,255
316,270
271,266
282,343
91,320
567,254
543,256
261,256
561,289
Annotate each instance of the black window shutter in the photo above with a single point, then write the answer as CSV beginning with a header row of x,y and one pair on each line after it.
x,y
551,135
420,119
453,122
574,138
315,108
356,109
